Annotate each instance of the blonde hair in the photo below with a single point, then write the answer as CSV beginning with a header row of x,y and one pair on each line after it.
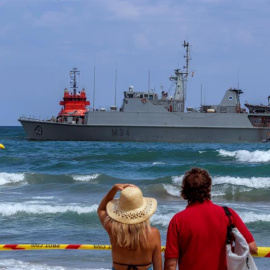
x,y
129,235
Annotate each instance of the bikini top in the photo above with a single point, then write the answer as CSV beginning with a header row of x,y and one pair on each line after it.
x,y
132,266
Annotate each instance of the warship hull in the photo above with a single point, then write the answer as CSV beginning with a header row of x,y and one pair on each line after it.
x,y
198,128
147,117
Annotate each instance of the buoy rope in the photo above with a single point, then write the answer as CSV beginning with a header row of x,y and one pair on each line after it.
x,y
262,251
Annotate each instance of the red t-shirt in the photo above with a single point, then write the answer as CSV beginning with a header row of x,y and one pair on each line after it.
x,y
197,236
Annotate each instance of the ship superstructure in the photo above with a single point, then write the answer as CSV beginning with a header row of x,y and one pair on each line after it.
x,y
144,116
74,103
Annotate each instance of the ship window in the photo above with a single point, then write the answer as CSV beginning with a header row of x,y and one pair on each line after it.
x,y
141,96
146,95
150,96
230,98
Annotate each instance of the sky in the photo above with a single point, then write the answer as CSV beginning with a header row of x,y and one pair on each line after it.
x,y
42,40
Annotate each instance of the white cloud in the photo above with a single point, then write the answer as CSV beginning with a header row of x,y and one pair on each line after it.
x,y
134,10
56,18
244,36
142,41
224,35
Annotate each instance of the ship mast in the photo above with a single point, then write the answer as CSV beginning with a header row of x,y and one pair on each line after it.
x,y
180,80
73,83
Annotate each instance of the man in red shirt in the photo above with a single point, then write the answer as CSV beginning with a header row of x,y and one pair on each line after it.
x,y
196,236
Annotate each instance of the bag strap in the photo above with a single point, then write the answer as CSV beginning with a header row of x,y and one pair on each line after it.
x,y
229,236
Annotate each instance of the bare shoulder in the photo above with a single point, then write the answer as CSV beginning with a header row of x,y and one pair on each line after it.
x,y
155,231
155,235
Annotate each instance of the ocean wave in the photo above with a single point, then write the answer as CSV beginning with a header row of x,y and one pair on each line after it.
x,y
256,156
177,179
222,185
10,209
43,197
158,163
11,264
216,191
172,190
10,178
163,220
85,178
253,182
249,217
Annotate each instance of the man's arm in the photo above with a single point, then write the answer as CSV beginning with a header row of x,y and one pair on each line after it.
x,y
170,263
253,248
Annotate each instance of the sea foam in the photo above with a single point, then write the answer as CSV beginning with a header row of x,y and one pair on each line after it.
x,y
10,178
256,156
249,217
177,179
252,182
172,190
161,220
85,178
158,163
9,209
11,264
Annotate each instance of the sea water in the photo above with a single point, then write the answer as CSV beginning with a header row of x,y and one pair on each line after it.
x,y
50,191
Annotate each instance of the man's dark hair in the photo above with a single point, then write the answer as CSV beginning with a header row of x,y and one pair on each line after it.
x,y
196,185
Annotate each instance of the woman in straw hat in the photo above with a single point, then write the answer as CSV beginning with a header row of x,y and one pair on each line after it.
x,y
135,244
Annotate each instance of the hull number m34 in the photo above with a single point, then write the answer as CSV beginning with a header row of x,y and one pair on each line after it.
x,y
120,132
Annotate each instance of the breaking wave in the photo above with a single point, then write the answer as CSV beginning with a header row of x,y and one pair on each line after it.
x,y
158,163
163,220
256,156
10,178
253,182
85,178
9,209
11,264
172,190
249,217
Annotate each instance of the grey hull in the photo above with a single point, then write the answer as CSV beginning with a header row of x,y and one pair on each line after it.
x,y
43,130
146,117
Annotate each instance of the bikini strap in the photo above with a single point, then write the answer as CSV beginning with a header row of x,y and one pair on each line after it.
x,y
132,266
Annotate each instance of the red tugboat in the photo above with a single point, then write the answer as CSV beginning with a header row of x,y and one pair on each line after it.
x,y
74,103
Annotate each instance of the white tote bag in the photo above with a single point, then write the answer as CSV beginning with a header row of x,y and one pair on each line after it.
x,y
240,259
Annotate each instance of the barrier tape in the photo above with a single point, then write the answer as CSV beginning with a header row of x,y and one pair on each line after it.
x,y
262,251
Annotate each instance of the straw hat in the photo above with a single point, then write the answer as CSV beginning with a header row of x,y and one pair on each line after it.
x,y
131,207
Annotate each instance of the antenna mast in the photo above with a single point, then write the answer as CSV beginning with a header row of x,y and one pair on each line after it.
x,y
115,88
149,81
73,83
94,92
180,79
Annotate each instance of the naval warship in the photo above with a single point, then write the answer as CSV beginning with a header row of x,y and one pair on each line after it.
x,y
147,117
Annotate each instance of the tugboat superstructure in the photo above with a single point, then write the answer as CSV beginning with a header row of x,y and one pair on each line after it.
x,y
74,103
